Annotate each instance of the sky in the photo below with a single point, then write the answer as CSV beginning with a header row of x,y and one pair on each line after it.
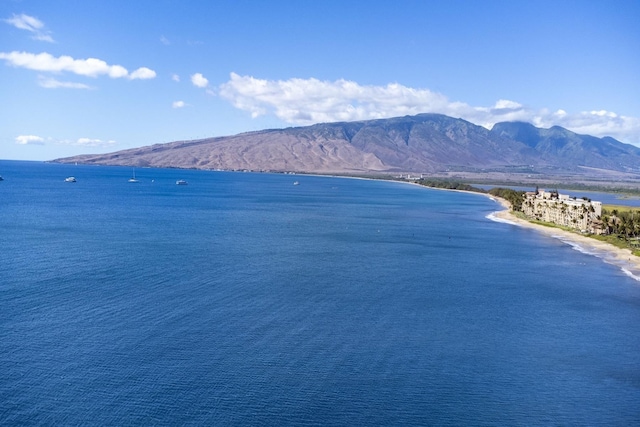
x,y
84,77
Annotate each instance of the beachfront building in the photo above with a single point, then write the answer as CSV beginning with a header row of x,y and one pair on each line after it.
x,y
550,206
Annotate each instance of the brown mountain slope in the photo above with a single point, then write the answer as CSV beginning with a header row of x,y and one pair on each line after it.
x,y
422,143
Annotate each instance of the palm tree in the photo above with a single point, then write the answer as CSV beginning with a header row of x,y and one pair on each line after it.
x,y
635,226
605,224
624,227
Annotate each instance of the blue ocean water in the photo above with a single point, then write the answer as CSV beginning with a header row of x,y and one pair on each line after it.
x,y
242,299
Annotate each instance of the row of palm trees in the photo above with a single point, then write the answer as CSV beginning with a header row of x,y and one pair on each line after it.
x,y
624,224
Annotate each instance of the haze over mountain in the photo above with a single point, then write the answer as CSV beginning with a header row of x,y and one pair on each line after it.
x,y
425,143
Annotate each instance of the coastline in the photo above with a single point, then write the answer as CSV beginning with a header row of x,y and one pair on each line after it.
x,y
623,258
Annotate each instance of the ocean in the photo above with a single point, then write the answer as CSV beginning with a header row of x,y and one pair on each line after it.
x,y
243,299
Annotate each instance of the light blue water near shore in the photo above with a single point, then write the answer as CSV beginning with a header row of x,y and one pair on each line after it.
x,y
243,299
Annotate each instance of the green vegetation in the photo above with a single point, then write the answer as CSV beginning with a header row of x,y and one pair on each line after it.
x,y
512,196
449,185
624,192
619,242
621,209
623,225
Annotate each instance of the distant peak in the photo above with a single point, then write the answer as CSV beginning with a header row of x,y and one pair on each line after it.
x,y
513,124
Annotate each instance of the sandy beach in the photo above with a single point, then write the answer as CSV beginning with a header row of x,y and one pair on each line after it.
x,y
622,258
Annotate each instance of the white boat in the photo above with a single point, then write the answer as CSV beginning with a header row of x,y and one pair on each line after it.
x,y
70,179
133,178
296,183
181,182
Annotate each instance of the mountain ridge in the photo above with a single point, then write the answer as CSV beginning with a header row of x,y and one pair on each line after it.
x,y
424,143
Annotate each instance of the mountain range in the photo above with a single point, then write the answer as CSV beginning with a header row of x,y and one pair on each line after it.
x,y
425,143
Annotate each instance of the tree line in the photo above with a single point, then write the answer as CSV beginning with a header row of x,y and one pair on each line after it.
x,y
512,196
626,224
449,185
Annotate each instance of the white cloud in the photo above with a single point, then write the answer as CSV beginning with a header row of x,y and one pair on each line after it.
x,y
25,22
31,24
90,142
598,123
178,104
505,104
199,80
142,73
84,142
308,101
29,140
51,83
175,78
43,38
165,41
90,67
604,113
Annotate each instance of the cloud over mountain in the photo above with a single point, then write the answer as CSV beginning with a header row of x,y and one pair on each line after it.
x,y
308,101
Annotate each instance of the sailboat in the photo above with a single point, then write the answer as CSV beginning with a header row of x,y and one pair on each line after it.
x,y
133,178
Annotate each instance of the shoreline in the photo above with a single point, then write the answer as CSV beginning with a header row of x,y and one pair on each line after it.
x,y
610,254
622,258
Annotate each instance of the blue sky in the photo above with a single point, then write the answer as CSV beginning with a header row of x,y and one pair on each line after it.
x,y
82,77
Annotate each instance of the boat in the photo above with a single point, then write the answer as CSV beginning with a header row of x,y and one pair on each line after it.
x,y
70,179
181,182
296,183
133,178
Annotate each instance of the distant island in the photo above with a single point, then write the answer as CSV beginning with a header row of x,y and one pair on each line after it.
x,y
430,144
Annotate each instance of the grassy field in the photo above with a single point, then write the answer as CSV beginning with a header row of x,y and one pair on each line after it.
x,y
620,208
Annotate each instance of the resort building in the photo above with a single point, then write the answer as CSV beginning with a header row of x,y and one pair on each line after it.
x,y
550,206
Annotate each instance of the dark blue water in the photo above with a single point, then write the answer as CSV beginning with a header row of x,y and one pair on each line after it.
x,y
241,299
